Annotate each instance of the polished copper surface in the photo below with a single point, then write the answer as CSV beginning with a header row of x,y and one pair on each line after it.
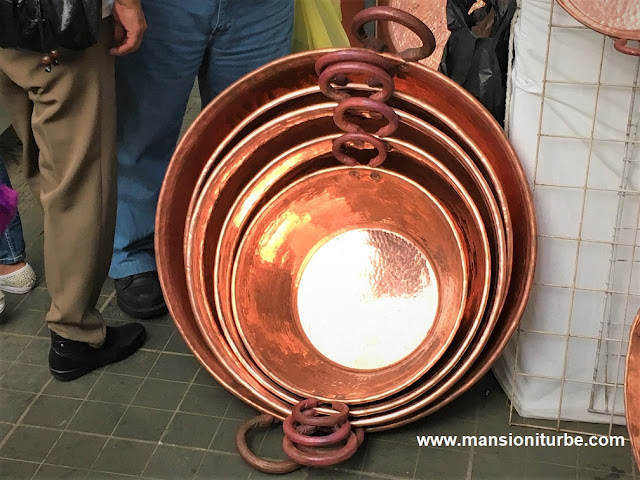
x,y
632,388
419,166
616,18
433,13
463,114
395,318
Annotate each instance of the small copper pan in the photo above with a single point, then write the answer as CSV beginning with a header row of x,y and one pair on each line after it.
x,y
416,164
339,294
632,389
619,19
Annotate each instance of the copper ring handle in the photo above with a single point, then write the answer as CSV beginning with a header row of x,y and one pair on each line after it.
x,y
366,104
359,436
324,421
355,55
403,18
261,464
376,73
321,458
345,159
340,434
621,46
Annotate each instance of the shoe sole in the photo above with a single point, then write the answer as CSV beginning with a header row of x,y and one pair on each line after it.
x,y
141,313
16,290
68,375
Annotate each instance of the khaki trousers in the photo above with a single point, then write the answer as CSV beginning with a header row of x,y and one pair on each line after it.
x,y
66,120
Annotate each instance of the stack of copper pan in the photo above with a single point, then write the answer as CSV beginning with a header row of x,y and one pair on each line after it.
x,y
391,285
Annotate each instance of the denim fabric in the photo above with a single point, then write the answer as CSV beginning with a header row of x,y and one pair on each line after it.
x,y
12,248
217,41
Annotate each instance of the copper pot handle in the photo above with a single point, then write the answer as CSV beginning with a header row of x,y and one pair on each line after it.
x,y
261,464
300,414
321,458
403,18
365,104
622,47
349,161
339,434
356,55
377,75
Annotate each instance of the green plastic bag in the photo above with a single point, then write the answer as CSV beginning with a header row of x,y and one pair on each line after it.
x,y
318,24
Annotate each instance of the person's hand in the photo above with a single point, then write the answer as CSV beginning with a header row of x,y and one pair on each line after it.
x,y
130,26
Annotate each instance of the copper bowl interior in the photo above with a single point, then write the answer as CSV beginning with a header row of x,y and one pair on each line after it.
x,y
323,268
412,161
465,120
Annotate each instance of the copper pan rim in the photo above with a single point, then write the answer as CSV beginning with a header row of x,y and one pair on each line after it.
x,y
597,16
358,386
632,388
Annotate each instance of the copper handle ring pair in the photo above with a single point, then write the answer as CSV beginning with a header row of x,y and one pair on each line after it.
x,y
398,16
621,46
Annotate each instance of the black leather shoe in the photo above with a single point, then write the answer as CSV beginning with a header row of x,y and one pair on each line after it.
x,y
69,360
140,295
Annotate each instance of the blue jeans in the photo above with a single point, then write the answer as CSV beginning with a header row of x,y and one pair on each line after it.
x,y
11,241
217,41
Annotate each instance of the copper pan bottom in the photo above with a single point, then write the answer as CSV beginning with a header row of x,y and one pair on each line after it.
x,y
417,168
341,295
464,114
632,389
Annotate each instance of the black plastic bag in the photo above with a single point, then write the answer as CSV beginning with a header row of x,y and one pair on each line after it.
x,y
45,25
477,54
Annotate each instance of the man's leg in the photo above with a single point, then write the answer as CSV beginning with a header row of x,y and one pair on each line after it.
x,y
153,86
66,120
249,35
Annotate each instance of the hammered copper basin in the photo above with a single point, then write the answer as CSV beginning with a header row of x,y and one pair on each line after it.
x,y
340,294
403,158
450,110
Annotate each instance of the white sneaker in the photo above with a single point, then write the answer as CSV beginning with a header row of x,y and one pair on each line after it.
x,y
1,302
20,281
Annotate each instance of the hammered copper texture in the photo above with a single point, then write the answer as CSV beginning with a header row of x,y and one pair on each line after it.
x,y
616,18
433,13
632,388
290,228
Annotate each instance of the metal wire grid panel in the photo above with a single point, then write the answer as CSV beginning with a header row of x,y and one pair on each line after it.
x,y
586,182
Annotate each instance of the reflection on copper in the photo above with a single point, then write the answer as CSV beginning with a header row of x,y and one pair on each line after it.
x,y
632,389
462,119
265,294
384,298
433,13
616,18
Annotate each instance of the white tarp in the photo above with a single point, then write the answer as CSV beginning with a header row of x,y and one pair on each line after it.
x,y
573,330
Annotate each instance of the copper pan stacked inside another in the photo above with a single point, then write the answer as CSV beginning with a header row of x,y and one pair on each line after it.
x,y
451,110
401,165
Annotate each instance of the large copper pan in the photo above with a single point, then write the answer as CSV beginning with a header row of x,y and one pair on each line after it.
x,y
411,165
632,388
619,19
466,119
324,270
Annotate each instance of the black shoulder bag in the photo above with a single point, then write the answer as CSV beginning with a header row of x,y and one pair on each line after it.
x,y
47,25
